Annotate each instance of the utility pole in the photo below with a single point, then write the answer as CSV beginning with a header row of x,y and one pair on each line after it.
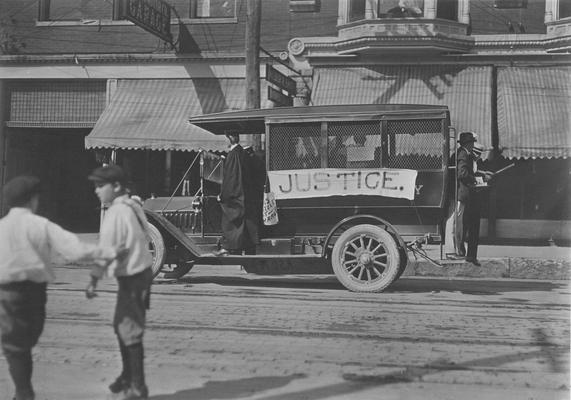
x,y
253,22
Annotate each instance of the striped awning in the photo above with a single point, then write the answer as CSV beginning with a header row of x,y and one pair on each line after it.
x,y
466,90
153,114
534,107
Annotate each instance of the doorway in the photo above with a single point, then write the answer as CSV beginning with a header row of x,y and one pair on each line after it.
x,y
59,158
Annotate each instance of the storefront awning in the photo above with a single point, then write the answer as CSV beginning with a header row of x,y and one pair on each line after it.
x,y
153,114
534,106
465,90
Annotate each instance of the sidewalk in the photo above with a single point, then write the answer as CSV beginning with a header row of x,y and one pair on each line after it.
x,y
515,262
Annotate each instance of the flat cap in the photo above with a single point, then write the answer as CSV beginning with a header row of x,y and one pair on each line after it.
x,y
109,174
19,190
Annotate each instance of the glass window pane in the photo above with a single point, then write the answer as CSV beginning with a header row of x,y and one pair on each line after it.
x,y
564,8
354,144
215,9
356,10
400,8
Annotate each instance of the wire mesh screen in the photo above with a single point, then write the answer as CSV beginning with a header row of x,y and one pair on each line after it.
x,y
354,144
415,144
294,146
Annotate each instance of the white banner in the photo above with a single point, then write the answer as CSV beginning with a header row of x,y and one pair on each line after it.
x,y
324,182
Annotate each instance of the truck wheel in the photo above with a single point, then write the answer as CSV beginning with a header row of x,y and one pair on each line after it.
x,y
365,258
157,249
178,271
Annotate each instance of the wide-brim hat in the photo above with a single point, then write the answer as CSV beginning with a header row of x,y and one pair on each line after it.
x,y
109,174
467,137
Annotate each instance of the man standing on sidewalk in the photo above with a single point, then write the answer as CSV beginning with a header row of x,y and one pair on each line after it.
x,y
467,223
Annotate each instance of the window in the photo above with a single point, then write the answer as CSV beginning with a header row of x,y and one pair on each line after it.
x,y
354,144
414,144
295,146
564,9
510,4
356,10
73,10
212,8
400,8
304,5
447,9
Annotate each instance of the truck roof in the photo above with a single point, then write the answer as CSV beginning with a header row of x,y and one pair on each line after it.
x,y
253,121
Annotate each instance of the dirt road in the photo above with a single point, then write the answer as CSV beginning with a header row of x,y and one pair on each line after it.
x,y
229,335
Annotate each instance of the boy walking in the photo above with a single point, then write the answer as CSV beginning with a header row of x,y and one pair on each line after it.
x,y
125,223
29,244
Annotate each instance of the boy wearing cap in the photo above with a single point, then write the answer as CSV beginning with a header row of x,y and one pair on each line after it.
x,y
125,223
29,244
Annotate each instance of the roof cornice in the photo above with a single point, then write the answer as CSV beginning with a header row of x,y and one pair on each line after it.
x,y
120,58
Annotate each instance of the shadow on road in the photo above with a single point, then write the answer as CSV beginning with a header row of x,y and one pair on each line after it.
x,y
231,389
404,285
552,354
472,287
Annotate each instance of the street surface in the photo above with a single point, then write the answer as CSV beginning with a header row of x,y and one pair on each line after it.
x,y
224,334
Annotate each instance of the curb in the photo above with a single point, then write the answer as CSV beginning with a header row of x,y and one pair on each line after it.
x,y
491,268
494,268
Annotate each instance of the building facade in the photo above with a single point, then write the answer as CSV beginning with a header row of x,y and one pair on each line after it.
x,y
80,84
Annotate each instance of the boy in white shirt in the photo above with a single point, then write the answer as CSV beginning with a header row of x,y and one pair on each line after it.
x,y
125,223
29,244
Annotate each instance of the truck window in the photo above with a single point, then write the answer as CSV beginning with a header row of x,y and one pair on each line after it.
x,y
414,144
294,146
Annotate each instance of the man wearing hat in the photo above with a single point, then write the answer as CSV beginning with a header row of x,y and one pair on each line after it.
x,y
239,201
467,212
29,244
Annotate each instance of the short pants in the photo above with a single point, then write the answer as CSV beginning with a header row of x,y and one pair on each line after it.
x,y
132,302
22,314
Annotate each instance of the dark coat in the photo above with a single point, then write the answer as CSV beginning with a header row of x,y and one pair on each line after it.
x,y
237,199
465,174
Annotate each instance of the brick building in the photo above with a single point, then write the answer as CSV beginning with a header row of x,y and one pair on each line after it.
x,y
77,81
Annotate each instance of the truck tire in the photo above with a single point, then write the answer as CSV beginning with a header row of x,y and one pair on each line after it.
x,y
365,258
157,249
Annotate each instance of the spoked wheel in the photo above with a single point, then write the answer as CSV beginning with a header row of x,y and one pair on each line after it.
x,y
157,249
365,258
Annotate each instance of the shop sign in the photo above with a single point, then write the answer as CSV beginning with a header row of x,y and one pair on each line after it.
x,y
280,99
282,81
153,16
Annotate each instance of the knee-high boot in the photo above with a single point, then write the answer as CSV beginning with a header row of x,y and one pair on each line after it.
x,y
20,366
123,381
138,388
